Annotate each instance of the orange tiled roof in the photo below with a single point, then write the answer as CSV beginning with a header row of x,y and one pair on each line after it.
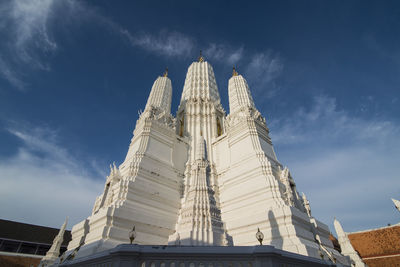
x,y
383,262
377,242
378,247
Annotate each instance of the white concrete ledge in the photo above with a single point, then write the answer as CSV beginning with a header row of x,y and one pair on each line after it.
x,y
196,256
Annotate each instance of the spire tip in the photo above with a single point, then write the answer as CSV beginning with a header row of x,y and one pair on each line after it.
x,y
234,72
201,58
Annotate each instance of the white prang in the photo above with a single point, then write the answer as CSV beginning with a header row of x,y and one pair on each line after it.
x,y
54,251
346,247
202,178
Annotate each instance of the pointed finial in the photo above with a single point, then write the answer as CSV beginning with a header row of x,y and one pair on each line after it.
x,y
234,72
165,72
132,235
201,58
396,203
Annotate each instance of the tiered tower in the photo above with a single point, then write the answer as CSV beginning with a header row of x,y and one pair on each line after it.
x,y
145,190
202,178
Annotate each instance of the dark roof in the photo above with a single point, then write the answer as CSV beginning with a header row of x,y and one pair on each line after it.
x,y
31,233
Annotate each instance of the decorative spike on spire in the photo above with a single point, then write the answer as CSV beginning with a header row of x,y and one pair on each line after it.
x,y
346,246
201,58
234,72
53,253
165,72
396,203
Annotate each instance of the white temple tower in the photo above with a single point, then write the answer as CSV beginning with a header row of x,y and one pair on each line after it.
x,y
202,178
145,190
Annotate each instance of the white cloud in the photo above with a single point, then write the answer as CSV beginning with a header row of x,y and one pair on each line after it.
x,y
325,122
165,43
27,39
43,183
224,53
9,74
347,166
261,73
28,27
30,21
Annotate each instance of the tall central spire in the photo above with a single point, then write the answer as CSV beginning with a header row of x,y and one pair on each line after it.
x,y
200,110
200,82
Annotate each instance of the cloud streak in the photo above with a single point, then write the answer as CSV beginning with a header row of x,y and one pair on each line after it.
x,y
27,38
262,71
224,53
346,165
165,43
45,181
28,29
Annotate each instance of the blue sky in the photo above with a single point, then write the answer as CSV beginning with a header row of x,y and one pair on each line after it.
x,y
325,74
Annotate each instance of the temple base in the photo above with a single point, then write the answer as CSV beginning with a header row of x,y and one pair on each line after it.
x,y
247,256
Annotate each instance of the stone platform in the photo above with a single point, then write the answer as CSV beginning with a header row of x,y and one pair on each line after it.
x,y
197,256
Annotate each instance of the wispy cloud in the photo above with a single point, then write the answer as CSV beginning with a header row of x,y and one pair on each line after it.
x,y
26,38
27,30
30,21
10,75
262,71
165,43
326,122
346,165
45,181
224,53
